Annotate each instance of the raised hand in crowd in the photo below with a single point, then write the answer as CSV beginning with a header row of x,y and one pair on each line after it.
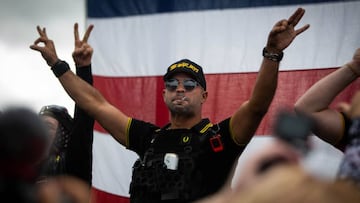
x,y
83,51
316,103
284,32
280,37
48,51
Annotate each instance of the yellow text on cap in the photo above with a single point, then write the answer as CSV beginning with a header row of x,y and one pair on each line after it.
x,y
184,65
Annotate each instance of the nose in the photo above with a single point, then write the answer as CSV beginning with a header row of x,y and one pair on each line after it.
x,y
180,87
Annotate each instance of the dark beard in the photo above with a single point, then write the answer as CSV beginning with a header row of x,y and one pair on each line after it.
x,y
181,112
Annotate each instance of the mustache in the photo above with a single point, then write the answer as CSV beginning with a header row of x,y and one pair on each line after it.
x,y
180,97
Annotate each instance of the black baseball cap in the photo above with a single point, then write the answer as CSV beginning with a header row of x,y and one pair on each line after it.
x,y
189,67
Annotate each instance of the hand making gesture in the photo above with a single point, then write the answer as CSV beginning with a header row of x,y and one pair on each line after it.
x,y
47,51
83,51
283,32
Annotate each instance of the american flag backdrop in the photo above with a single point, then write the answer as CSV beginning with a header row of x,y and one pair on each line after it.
x,y
135,41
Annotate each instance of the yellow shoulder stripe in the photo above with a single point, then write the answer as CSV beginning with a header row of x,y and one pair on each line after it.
x,y
127,131
233,135
206,127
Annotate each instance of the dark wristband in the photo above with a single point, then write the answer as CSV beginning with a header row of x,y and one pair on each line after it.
x,y
60,67
85,73
83,69
272,56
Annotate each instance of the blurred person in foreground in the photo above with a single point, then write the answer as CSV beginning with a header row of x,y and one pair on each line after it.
x,y
275,174
24,143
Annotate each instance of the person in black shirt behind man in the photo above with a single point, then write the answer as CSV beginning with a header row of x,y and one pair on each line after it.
x,y
71,138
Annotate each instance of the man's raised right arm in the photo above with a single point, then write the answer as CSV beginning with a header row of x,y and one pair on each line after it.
x,y
84,95
91,100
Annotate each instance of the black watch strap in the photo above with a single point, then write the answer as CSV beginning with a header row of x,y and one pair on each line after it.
x,y
272,56
60,67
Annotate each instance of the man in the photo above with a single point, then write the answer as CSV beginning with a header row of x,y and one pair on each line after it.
x,y
190,157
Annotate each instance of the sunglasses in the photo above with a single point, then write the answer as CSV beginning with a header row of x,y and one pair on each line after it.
x,y
53,108
189,84
60,113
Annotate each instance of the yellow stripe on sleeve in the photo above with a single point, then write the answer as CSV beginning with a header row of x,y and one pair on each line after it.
x,y
342,119
127,132
233,135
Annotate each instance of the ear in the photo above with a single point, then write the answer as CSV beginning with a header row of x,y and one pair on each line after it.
x,y
204,96
163,94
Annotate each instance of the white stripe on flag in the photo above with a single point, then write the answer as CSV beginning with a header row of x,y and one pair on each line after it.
x,y
112,165
222,41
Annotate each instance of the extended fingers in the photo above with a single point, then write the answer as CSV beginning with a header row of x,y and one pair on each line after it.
x,y
296,17
291,23
78,43
76,32
42,32
87,33
45,40
305,27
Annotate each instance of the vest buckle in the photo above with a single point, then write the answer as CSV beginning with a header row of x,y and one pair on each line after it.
x,y
216,143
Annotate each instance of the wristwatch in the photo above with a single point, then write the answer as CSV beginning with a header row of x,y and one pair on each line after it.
x,y
272,56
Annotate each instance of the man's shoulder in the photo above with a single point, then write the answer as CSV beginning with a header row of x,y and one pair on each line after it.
x,y
141,125
222,127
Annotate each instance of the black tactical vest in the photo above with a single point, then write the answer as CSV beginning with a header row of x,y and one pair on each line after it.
x,y
169,170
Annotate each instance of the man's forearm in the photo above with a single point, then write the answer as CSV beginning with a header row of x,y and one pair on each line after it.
x,y
322,93
265,86
83,94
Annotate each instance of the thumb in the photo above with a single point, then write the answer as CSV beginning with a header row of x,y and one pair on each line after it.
x,y
35,47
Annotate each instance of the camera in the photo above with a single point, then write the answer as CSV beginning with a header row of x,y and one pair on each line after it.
x,y
294,129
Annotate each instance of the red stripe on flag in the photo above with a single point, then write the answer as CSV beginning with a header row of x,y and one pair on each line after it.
x,y
141,97
101,196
